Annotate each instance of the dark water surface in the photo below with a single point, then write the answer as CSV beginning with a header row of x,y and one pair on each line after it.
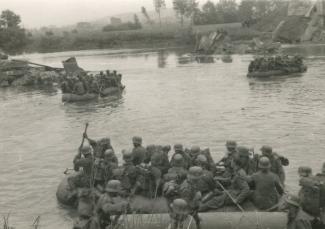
x,y
169,98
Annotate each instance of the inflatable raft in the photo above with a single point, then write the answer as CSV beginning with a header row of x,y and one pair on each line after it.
x,y
111,91
68,97
283,72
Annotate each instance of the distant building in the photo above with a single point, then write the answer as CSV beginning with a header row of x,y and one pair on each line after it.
x,y
116,21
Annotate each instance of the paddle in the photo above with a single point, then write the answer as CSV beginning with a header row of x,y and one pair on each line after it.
x,y
230,196
83,136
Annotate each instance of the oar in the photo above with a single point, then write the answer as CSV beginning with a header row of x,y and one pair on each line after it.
x,y
83,136
230,196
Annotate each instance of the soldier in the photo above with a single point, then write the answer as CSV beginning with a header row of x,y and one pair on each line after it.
x,y
190,191
166,149
160,161
245,160
139,153
230,154
276,165
267,186
178,149
99,146
202,162
86,163
309,191
111,204
297,218
85,211
194,152
128,174
237,193
103,168
179,213
79,88
320,179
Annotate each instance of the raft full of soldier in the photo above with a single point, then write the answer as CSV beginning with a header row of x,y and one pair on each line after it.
x,y
184,185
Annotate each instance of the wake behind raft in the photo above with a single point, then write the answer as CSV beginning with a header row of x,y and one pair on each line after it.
x,y
148,213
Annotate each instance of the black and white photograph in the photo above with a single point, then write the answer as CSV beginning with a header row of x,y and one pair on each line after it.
x,y
162,114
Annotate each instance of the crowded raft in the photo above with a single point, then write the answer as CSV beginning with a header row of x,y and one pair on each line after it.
x,y
266,66
187,182
79,85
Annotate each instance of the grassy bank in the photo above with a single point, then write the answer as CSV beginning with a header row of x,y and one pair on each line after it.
x,y
150,37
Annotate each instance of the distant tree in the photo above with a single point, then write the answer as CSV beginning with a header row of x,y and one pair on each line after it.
x,y
75,31
185,8
159,4
137,23
9,19
146,15
228,9
210,13
49,33
13,38
246,10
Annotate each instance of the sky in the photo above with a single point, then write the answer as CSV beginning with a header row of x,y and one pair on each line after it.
x,y
38,13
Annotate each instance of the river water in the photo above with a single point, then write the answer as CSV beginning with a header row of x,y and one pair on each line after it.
x,y
170,97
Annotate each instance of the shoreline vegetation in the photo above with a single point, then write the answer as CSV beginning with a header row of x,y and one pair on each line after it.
x,y
181,25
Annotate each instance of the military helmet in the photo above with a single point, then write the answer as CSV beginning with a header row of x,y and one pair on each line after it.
x,y
264,163
202,159
151,148
266,149
178,147
195,149
166,148
113,186
127,154
304,171
86,150
178,160
105,141
293,200
180,206
195,172
137,140
231,144
243,151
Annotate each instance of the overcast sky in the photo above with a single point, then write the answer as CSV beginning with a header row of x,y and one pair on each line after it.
x,y
37,13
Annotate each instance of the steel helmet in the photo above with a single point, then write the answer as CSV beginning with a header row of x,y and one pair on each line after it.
x,y
109,152
231,144
202,158
264,163
178,147
180,206
243,151
86,149
195,172
304,171
195,150
137,140
266,149
113,186
127,154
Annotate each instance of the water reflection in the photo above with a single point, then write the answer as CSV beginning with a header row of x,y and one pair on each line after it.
x,y
162,58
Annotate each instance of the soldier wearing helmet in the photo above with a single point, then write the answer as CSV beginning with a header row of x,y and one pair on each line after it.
x,y
83,160
246,161
179,213
297,218
99,146
267,186
103,168
230,155
111,203
320,181
275,162
139,152
191,191
178,149
128,174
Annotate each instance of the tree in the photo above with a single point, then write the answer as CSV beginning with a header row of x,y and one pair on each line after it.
x,y
9,19
13,38
185,8
228,9
137,23
146,15
159,4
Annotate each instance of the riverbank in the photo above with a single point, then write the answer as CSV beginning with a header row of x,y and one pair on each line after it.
x,y
152,37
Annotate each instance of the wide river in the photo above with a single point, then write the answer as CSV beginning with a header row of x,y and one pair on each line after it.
x,y
170,97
